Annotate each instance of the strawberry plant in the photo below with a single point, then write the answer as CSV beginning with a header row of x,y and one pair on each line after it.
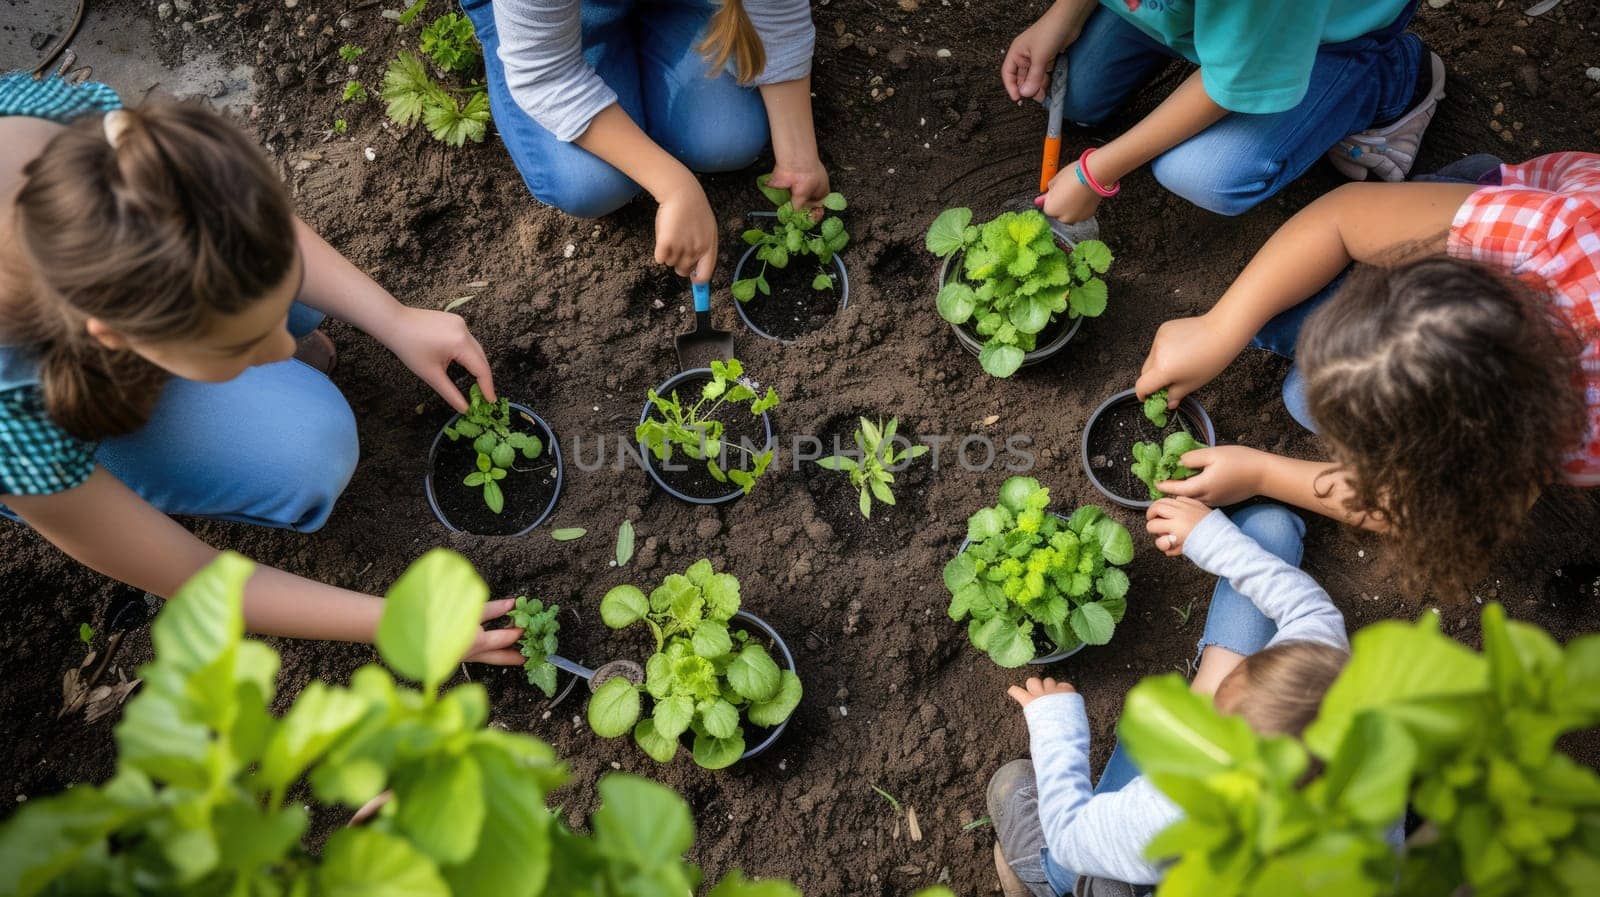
x,y
694,432
488,425
1014,281
453,115
1469,742
450,42
200,802
1154,464
539,625
873,473
794,235
703,677
1028,576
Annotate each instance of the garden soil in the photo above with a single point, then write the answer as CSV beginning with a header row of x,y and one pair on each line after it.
x,y
579,323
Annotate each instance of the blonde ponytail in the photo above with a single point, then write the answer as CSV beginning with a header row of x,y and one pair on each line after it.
x,y
731,35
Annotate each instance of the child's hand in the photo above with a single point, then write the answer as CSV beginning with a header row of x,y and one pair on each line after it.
x,y
806,181
427,341
496,647
1228,474
1036,688
1027,66
1186,354
1069,201
686,231
1171,520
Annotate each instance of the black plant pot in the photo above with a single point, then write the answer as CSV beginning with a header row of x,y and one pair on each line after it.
x,y
659,476
452,478
841,280
1062,328
1201,428
1048,658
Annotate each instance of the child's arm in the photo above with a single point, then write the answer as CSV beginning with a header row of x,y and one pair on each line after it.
x,y
1283,592
797,166
107,527
1103,835
1032,54
1356,222
1229,474
426,341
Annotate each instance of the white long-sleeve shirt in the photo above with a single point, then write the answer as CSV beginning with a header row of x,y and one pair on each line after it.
x,y
1105,835
541,45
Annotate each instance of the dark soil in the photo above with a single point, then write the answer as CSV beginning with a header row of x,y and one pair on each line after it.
x,y
839,504
742,434
794,309
895,696
1111,438
529,485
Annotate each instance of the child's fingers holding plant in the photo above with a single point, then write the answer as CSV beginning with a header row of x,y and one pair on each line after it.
x,y
1036,688
1228,474
807,183
1171,520
428,341
496,647
1186,354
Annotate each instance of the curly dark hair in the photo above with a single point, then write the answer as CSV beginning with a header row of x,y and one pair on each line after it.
x,y
1449,393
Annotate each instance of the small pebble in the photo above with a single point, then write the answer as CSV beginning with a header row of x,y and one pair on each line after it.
x,y
1361,552
371,154
1593,73
843,710
164,11
943,53
570,251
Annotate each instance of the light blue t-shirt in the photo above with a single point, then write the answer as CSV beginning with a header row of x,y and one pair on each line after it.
x,y
1255,55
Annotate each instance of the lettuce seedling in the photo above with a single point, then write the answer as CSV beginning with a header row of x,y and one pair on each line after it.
x,y
693,431
488,425
1155,408
703,677
1014,281
1154,464
1027,572
793,235
539,625
874,472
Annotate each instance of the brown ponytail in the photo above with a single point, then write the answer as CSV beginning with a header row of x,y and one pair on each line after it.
x,y
731,35
180,222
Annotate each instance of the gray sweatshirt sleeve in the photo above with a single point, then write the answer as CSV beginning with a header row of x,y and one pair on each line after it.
x,y
541,47
1285,593
1103,835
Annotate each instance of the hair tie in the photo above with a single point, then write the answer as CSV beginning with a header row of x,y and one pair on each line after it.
x,y
116,123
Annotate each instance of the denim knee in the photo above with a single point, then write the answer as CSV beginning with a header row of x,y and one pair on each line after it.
x,y
313,469
1275,528
708,152
1294,398
583,186
1226,187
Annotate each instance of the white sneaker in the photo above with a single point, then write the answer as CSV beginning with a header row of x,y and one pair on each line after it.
x,y
1390,151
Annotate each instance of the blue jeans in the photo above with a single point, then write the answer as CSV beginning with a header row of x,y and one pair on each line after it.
x,y
1232,621
274,446
1280,335
645,53
1243,159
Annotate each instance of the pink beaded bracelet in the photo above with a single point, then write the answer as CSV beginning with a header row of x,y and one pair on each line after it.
x,y
1087,179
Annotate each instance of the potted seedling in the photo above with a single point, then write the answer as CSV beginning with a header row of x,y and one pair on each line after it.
x,y
872,474
1035,587
1013,289
713,681
540,640
710,444
1129,446
494,470
791,279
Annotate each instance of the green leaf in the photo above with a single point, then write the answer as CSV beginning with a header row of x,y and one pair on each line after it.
x,y
1092,623
514,845
744,290
711,640
834,202
431,616
1008,645
367,862
625,544
1095,253
1155,408
657,746
568,534
673,716
493,497
778,708
440,806
837,462
1000,360
1169,729
956,302
319,717
736,885
717,753
503,455
1088,300
623,606
720,718
775,195
754,674
614,708
947,235
641,823
822,282
1112,585
1116,546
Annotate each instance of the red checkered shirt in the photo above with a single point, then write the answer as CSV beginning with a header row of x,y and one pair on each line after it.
x,y
1543,225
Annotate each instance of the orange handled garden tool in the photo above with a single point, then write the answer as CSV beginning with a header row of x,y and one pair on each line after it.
x,y
1057,104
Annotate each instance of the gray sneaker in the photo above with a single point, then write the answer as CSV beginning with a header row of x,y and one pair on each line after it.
x,y
1390,151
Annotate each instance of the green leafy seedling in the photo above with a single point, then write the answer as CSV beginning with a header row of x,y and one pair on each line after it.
x,y
351,52
1026,570
452,115
539,625
450,42
1154,464
410,13
624,543
568,534
873,473
1014,281
793,235
488,425
85,633
692,430
354,92
1155,408
705,678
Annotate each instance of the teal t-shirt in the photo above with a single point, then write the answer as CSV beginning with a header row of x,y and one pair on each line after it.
x,y
1255,55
